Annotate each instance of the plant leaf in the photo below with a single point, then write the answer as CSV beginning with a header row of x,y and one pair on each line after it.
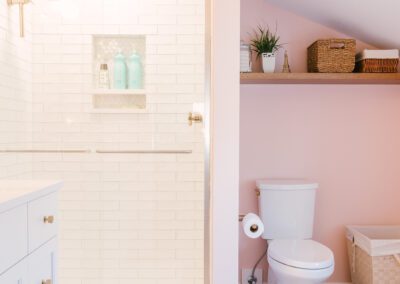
x,y
265,41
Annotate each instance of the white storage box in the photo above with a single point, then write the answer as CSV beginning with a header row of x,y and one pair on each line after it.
x,y
374,254
245,57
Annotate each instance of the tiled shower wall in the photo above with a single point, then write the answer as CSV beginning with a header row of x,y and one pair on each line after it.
x,y
126,218
15,92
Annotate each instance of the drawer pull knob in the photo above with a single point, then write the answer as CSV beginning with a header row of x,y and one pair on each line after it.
x,y
48,220
46,281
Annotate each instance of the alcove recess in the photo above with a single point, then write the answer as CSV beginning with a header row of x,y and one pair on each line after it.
x,y
111,100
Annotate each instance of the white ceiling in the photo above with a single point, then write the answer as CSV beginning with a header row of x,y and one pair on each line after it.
x,y
376,22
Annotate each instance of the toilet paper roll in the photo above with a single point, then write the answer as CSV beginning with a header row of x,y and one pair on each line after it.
x,y
253,227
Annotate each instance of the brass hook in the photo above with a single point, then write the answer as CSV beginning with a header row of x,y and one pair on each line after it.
x,y
20,4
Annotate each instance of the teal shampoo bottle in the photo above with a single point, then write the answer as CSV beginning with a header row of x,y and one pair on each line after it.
x,y
135,72
119,71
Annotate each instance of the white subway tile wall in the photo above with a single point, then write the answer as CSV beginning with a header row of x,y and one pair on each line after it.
x,y
126,218
15,92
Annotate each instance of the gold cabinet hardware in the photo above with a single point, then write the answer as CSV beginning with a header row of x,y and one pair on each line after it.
x,y
48,281
48,219
257,192
241,217
20,4
194,118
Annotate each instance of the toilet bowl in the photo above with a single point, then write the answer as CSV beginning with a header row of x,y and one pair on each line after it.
x,y
286,209
299,261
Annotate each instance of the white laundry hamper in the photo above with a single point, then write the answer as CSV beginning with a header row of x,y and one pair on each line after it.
x,y
374,254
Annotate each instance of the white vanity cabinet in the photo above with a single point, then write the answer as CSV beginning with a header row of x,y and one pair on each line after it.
x,y
18,274
42,264
42,220
13,236
28,232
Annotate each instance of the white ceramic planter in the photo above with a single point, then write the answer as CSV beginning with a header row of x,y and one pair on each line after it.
x,y
268,62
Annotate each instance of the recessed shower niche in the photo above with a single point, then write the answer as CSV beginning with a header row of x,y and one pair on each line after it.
x,y
119,74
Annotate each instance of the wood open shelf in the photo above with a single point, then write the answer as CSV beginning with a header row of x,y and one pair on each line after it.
x,y
320,78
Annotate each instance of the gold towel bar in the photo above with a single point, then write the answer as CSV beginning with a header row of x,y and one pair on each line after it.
x,y
144,151
44,151
83,151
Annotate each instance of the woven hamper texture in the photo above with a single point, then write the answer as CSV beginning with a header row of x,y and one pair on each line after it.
x,y
332,56
377,66
366,269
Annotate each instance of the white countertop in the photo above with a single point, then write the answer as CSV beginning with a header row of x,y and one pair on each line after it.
x,y
16,192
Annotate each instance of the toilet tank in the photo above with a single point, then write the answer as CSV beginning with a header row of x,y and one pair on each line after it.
x,y
287,208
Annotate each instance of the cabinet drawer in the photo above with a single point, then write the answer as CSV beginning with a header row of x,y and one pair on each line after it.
x,y
13,237
18,274
42,264
42,220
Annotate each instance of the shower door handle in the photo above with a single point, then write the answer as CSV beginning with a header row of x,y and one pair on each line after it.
x,y
194,118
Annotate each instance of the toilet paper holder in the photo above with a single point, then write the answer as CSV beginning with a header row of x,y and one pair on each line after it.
x,y
241,216
253,228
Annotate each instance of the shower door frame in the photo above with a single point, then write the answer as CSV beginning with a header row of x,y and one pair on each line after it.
x,y
221,136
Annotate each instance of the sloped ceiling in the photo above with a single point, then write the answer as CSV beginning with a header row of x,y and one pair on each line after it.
x,y
376,22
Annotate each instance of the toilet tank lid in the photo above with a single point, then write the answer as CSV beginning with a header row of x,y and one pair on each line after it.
x,y
285,184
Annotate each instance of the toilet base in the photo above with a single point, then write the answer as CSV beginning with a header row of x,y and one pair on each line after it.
x,y
279,273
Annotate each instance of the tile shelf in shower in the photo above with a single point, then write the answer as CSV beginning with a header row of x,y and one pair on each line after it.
x,y
105,47
119,92
117,111
118,101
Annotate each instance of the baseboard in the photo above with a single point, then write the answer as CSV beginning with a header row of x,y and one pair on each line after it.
x,y
328,283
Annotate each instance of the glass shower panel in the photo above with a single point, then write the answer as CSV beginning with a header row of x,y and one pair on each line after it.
x,y
15,95
132,206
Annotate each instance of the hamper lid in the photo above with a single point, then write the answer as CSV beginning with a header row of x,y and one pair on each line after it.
x,y
378,54
376,240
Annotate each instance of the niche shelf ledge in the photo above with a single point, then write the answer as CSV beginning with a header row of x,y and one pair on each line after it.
x,y
119,92
117,110
321,78
118,101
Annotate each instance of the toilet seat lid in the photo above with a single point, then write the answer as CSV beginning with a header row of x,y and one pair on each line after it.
x,y
305,254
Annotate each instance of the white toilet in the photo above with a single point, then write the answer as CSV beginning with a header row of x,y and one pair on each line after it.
x,y
287,211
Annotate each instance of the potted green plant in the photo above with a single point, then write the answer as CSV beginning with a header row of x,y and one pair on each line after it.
x,y
265,44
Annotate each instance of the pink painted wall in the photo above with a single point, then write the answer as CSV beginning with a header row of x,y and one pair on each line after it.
x,y
347,138
296,32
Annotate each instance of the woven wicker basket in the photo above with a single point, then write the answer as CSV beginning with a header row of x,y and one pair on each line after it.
x,y
377,66
366,269
332,56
